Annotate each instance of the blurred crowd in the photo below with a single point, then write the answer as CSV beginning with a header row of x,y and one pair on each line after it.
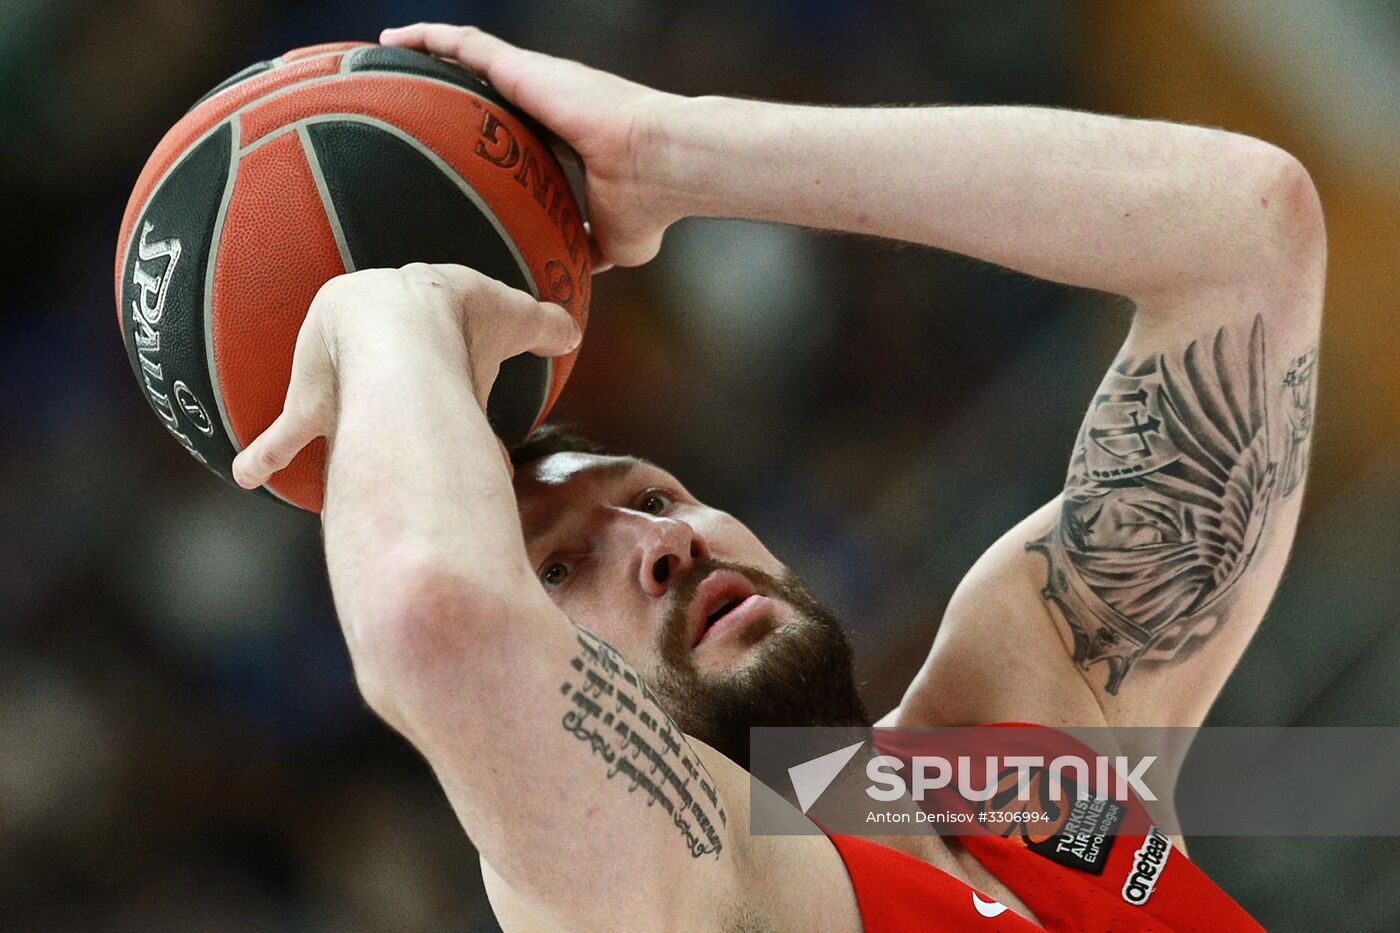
x,y
181,743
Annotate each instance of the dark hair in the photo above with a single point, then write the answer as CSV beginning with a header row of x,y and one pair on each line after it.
x,y
550,439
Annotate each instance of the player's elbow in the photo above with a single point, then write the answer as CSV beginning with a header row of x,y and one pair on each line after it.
x,y
432,620
1289,209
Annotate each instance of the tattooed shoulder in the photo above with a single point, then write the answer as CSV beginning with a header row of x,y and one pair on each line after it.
x,y
1168,494
617,718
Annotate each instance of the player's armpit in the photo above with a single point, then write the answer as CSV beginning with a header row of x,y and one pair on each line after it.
x,y
570,779
1179,507
592,808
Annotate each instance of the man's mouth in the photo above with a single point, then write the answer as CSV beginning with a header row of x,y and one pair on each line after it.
x,y
724,601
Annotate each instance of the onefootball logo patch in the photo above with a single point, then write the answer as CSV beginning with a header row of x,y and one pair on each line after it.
x,y
1148,864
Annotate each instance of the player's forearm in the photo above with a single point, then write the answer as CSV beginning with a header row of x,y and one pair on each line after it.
x,y
1127,206
419,508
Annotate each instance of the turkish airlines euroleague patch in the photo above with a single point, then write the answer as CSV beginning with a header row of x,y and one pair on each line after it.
x,y
1086,837
1074,833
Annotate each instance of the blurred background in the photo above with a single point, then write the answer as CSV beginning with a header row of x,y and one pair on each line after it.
x,y
181,743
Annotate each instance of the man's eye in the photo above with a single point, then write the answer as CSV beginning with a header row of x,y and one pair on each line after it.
x,y
653,502
553,573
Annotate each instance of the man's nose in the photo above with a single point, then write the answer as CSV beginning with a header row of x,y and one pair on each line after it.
x,y
666,547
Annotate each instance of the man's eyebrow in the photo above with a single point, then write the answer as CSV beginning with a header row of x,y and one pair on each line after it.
x,y
541,524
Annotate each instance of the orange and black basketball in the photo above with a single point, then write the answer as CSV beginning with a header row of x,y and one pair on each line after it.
x,y
326,160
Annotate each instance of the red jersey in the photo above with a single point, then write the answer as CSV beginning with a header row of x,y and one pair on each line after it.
x,y
1119,883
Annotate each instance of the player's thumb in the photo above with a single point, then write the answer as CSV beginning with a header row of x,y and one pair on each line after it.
x,y
556,331
273,449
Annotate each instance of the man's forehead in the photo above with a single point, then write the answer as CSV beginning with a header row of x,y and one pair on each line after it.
x,y
562,468
545,487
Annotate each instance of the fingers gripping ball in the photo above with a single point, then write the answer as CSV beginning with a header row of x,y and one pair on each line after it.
x,y
326,160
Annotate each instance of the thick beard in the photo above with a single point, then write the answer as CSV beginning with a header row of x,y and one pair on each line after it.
x,y
801,674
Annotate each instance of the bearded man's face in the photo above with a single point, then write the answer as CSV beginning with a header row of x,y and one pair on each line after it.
x,y
725,635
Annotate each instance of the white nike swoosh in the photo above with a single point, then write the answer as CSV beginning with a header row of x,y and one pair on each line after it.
x,y
988,908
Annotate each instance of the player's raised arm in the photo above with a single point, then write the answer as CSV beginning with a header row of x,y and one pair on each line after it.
x,y
1157,563
1159,560
1162,553
565,771
1141,208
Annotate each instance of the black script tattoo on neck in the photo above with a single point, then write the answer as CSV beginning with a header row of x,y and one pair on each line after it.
x,y
613,712
1167,498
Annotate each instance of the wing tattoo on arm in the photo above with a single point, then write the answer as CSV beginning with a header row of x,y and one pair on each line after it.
x,y
1165,503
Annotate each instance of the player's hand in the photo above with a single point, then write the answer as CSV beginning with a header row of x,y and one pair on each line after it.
x,y
351,316
612,123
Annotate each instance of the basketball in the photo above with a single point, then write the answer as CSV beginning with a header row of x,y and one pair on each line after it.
x,y
322,161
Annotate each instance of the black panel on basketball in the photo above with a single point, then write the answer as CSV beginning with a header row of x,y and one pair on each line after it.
x,y
243,75
165,275
396,206
408,61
